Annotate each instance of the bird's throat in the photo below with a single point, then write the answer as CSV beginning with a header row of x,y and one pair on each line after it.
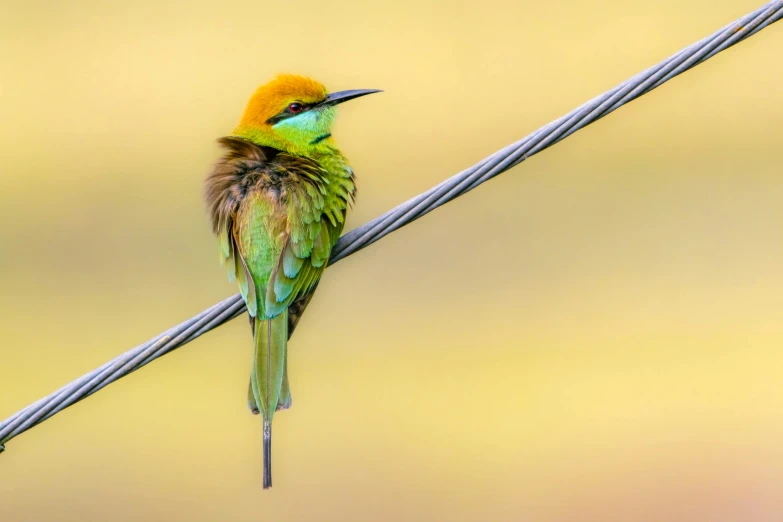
x,y
321,138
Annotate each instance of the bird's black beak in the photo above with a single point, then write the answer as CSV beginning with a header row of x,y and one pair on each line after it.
x,y
343,96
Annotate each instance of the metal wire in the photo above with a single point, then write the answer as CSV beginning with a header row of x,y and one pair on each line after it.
x,y
405,213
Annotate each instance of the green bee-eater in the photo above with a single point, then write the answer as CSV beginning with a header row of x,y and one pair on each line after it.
x,y
278,200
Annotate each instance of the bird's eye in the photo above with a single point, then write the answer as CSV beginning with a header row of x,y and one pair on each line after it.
x,y
295,107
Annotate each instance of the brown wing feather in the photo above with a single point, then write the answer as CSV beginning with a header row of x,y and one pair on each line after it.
x,y
297,308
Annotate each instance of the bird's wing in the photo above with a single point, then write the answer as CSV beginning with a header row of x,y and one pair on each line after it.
x,y
285,233
259,236
297,308
276,220
225,190
330,203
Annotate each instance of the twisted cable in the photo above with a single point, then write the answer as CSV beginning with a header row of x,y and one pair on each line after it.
x,y
403,214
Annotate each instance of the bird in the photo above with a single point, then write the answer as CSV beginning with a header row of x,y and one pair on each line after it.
x,y
277,201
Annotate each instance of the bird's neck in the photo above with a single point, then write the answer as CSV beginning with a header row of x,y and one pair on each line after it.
x,y
323,147
325,152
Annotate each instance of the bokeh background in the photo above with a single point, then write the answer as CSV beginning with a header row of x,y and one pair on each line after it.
x,y
595,335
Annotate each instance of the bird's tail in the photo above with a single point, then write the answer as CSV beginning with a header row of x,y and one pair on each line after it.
x,y
267,376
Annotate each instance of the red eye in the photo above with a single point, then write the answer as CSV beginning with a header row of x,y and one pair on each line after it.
x,y
295,107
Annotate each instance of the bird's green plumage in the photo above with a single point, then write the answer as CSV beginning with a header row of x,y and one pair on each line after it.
x,y
284,230
277,218
266,377
278,200
284,214
284,239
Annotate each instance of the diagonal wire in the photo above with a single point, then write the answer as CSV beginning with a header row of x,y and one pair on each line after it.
x,y
403,214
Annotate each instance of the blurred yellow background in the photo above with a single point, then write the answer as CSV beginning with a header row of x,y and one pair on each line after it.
x,y
595,335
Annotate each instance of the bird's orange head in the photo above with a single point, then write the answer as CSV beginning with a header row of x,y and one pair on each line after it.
x,y
292,113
